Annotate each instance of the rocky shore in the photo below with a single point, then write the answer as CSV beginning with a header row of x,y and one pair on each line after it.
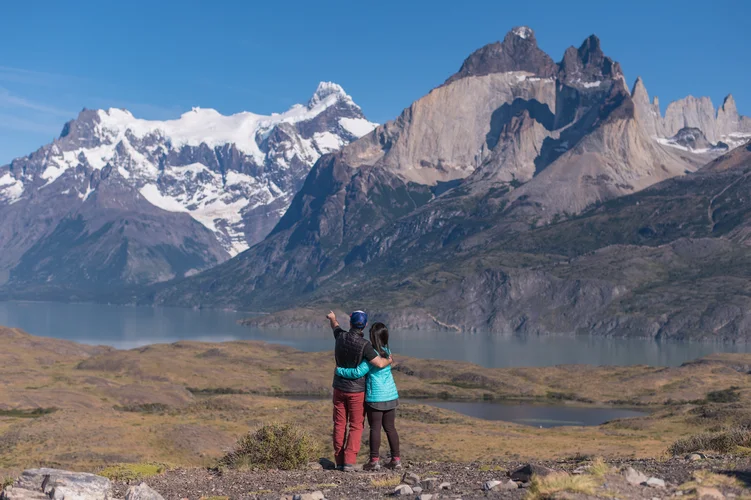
x,y
693,476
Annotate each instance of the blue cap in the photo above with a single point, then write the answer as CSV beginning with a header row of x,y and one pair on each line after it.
x,y
358,319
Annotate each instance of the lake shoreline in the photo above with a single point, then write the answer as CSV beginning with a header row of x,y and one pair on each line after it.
x,y
127,327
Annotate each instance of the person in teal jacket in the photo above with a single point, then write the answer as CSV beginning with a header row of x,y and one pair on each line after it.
x,y
381,399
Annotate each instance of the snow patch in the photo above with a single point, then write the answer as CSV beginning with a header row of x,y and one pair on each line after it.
x,y
358,127
153,196
327,142
10,188
523,32
672,144
52,173
85,196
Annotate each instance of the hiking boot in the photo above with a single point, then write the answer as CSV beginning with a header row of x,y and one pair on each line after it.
x,y
347,468
395,463
372,465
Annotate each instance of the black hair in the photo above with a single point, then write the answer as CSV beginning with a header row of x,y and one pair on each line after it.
x,y
379,338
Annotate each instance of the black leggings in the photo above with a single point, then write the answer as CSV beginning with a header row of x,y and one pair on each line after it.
x,y
376,419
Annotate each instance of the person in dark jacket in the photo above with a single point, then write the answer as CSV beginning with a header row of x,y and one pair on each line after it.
x,y
349,394
381,400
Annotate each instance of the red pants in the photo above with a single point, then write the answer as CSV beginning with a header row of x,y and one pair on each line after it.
x,y
348,407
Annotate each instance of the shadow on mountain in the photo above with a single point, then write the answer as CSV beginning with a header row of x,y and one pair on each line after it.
x,y
502,116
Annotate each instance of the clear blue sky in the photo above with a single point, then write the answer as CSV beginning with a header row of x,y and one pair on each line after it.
x,y
160,58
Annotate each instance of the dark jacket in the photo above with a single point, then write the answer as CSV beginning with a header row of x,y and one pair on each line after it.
x,y
350,350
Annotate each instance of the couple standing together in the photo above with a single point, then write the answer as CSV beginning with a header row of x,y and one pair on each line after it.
x,y
363,384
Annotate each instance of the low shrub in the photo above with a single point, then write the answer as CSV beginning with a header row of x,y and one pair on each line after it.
x,y
275,446
729,395
27,413
721,442
143,408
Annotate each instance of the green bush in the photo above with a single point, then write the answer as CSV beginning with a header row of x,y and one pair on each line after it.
x,y
730,395
722,442
275,446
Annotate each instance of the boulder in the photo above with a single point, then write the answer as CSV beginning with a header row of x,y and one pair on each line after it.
x,y
444,486
695,457
59,484
634,477
11,493
411,479
425,496
142,492
524,474
403,490
417,489
429,483
491,485
654,482
315,495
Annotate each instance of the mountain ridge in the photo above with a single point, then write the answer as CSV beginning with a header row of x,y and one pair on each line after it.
x,y
554,149
232,175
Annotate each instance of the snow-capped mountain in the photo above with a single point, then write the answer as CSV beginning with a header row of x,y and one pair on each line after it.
x,y
233,175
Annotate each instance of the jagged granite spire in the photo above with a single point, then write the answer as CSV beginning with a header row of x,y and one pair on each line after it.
x,y
728,119
647,113
588,63
517,52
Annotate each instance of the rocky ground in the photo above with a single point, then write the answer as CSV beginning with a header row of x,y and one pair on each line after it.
x,y
713,477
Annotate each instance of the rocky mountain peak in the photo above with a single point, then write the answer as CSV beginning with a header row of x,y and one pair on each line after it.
x,y
523,32
728,106
639,91
325,90
588,63
81,130
517,52
649,114
691,138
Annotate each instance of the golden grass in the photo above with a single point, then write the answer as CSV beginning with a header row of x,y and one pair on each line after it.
x,y
386,482
543,487
599,468
113,394
713,480
132,472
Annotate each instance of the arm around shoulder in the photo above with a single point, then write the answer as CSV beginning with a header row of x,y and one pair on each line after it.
x,y
380,362
354,373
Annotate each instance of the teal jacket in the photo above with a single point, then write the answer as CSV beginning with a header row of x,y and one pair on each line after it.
x,y
380,386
